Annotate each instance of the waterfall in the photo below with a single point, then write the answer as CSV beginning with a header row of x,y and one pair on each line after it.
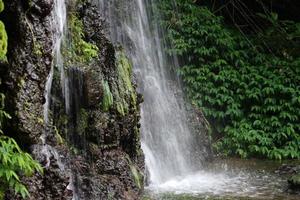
x,y
58,23
167,141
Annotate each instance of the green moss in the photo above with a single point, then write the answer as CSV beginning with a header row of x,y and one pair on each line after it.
x,y
37,48
124,91
120,108
1,6
3,41
108,99
136,175
77,50
58,137
125,74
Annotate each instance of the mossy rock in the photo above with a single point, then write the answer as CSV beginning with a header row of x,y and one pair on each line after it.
x,y
294,182
136,174
108,99
138,180
3,41
80,51
124,91
1,6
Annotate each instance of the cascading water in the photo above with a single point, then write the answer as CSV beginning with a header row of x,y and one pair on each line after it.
x,y
167,141
59,27
59,22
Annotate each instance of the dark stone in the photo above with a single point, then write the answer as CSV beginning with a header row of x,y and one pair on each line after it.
x,y
288,169
41,7
29,57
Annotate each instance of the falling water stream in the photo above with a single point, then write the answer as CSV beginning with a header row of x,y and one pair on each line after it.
x,y
59,27
58,23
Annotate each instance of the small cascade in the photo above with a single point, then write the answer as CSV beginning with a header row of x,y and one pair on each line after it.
x,y
71,92
167,141
59,22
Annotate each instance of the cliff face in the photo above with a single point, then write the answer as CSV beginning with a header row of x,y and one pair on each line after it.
x,y
92,145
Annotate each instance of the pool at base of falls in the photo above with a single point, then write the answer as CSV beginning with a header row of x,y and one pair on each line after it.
x,y
228,179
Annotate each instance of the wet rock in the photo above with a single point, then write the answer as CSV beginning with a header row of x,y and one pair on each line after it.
x,y
29,62
288,169
42,7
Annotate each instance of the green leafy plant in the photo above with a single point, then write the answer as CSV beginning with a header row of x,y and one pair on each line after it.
x,y
251,97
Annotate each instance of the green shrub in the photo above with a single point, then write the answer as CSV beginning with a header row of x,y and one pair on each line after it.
x,y
252,98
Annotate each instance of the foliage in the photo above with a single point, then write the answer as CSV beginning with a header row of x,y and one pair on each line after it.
x,y
79,51
13,161
251,97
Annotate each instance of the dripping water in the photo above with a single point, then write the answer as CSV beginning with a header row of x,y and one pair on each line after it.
x,y
58,23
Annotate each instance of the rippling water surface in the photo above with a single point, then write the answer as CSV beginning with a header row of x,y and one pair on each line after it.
x,y
228,179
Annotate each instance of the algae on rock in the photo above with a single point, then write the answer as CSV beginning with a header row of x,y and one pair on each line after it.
x,y
3,36
108,99
76,49
124,92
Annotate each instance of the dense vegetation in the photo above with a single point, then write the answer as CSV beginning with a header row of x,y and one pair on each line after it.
x,y
13,161
248,87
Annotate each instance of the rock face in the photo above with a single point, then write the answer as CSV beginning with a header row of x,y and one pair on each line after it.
x,y
30,57
93,146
